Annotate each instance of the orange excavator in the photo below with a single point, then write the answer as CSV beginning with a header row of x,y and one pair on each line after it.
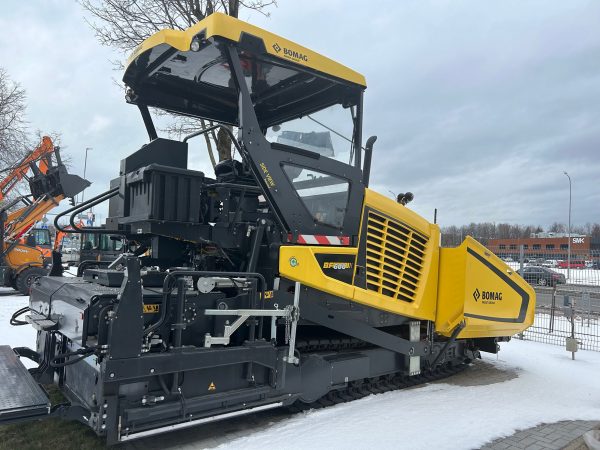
x,y
41,239
58,238
49,183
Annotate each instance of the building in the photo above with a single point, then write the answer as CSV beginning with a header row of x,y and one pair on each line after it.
x,y
548,245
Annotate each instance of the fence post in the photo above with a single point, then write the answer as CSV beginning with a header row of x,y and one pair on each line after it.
x,y
552,308
587,300
573,328
521,257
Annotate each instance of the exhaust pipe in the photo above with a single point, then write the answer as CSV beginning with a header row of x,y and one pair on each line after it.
x,y
367,163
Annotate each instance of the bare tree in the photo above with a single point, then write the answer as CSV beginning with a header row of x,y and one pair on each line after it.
x,y
557,227
13,126
124,24
483,232
595,231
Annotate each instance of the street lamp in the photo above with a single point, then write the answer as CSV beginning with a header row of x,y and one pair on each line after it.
x,y
569,251
87,149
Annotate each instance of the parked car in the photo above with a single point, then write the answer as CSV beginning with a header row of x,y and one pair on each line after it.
x,y
542,276
575,264
536,262
552,263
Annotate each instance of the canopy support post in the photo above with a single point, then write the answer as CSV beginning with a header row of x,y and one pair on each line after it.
x,y
147,118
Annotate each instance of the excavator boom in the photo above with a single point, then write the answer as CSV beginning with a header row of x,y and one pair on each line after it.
x,y
49,183
41,155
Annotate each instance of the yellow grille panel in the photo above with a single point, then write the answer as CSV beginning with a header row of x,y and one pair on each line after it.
x,y
395,256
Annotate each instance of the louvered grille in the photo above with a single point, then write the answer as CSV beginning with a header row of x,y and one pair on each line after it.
x,y
394,257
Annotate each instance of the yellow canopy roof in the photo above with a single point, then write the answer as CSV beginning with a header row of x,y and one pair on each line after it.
x,y
228,27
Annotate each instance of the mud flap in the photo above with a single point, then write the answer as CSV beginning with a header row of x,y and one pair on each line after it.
x,y
21,398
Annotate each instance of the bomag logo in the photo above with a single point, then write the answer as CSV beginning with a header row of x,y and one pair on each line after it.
x,y
289,53
337,265
487,296
294,54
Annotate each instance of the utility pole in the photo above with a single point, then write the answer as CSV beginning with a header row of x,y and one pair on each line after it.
x,y
84,170
569,247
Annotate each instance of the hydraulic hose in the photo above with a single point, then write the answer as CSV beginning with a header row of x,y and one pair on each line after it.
x,y
452,338
81,354
14,321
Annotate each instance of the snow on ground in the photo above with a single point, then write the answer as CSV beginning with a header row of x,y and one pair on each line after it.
x,y
23,336
578,276
549,387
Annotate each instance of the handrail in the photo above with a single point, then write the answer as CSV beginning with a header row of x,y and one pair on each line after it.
x,y
82,206
202,273
214,127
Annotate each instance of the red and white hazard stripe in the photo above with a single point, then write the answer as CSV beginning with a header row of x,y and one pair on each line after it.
x,y
319,239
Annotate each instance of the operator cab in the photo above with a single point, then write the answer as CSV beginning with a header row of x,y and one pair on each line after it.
x,y
299,114
100,247
39,237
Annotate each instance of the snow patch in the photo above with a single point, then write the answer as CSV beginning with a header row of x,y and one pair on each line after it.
x,y
549,388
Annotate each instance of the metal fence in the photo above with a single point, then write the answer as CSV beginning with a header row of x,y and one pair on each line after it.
x,y
565,312
583,268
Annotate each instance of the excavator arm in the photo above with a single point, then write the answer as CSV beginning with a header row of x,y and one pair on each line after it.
x,y
41,157
49,183
19,222
58,238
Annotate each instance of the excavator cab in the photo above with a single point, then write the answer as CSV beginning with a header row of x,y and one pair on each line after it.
x,y
40,239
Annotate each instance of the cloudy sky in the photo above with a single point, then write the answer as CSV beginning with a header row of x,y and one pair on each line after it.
x,y
479,106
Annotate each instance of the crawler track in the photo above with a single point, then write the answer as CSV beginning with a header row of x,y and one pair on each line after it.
x,y
376,385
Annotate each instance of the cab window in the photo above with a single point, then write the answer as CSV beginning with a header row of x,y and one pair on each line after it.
x,y
118,245
327,132
41,237
325,196
89,241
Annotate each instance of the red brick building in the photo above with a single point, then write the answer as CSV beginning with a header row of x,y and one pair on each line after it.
x,y
549,247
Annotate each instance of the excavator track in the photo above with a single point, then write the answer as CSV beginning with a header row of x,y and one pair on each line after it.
x,y
362,388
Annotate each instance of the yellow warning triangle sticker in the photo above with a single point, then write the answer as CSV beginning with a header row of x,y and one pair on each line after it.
x,y
211,386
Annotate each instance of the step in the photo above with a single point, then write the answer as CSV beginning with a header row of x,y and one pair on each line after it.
x,y
41,322
20,395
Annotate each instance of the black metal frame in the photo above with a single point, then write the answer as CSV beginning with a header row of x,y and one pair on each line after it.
x,y
266,163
